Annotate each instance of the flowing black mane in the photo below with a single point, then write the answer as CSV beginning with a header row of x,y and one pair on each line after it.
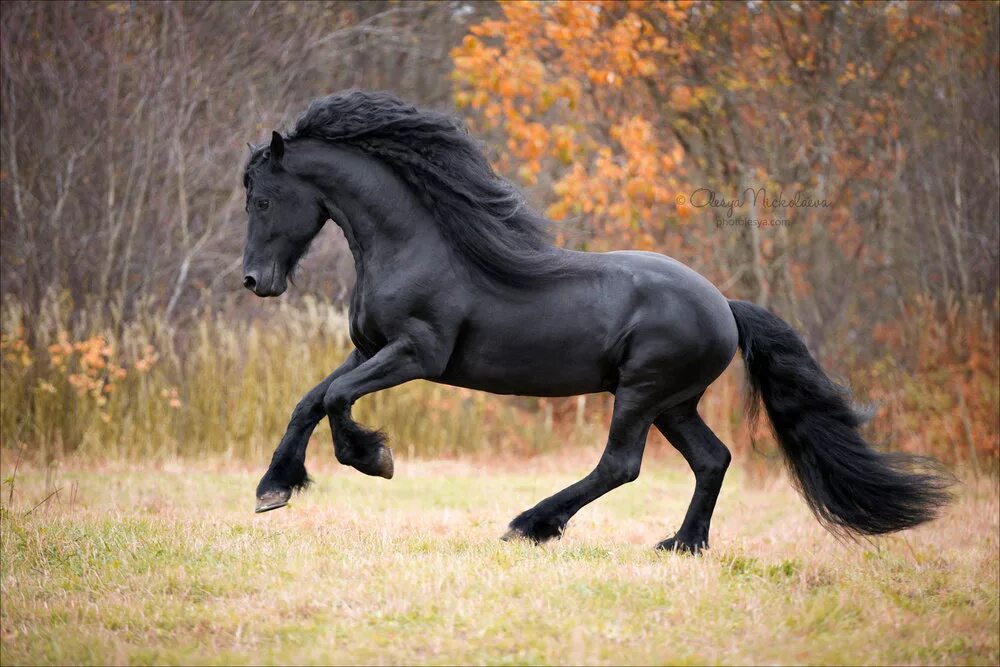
x,y
482,214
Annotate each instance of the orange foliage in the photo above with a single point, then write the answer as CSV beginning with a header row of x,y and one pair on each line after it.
x,y
559,74
88,367
938,384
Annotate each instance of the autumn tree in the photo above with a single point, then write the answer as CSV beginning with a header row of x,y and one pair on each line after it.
x,y
124,130
614,113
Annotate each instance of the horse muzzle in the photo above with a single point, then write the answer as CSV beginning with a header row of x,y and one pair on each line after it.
x,y
262,286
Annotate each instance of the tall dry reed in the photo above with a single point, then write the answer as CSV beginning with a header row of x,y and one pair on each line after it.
x,y
226,386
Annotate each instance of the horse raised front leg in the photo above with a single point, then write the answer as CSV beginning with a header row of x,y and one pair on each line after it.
x,y
353,444
619,465
287,471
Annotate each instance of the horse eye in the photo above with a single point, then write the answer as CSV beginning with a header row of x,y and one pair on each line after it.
x,y
263,204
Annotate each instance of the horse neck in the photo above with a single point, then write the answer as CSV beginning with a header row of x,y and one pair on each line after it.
x,y
380,216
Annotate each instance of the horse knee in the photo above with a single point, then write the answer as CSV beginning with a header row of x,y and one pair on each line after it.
x,y
335,402
308,409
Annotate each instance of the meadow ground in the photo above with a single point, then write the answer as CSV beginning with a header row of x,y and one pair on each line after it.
x,y
166,564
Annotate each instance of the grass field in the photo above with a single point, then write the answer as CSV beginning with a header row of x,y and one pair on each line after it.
x,y
135,565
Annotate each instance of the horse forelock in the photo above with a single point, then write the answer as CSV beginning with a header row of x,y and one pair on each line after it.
x,y
258,156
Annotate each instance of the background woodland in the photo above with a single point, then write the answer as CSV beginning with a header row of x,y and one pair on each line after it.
x,y
123,135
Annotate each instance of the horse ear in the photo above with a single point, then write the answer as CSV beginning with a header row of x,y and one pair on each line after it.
x,y
277,148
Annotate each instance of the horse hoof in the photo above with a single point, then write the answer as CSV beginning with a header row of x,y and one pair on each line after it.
x,y
515,535
533,528
385,466
679,546
272,500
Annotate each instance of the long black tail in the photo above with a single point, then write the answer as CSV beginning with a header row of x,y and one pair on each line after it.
x,y
851,487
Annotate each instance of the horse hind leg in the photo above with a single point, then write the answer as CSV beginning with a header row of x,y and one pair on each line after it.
x,y
709,458
619,465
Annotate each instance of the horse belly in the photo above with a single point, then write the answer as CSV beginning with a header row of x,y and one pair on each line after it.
x,y
531,354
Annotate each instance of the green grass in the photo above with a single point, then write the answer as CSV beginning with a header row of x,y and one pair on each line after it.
x,y
130,565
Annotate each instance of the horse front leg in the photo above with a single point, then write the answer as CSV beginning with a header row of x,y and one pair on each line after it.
x,y
353,444
287,471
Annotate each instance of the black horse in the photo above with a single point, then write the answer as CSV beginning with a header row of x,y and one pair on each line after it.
x,y
458,283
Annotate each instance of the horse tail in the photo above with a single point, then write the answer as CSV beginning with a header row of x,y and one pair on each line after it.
x,y
850,487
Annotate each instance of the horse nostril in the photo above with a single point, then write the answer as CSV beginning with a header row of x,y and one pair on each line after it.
x,y
249,282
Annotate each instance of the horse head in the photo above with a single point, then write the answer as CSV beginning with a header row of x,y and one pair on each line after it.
x,y
285,214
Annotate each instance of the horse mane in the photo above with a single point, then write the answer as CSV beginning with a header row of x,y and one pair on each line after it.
x,y
481,214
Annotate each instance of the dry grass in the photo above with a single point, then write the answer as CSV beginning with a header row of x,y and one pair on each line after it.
x,y
130,565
